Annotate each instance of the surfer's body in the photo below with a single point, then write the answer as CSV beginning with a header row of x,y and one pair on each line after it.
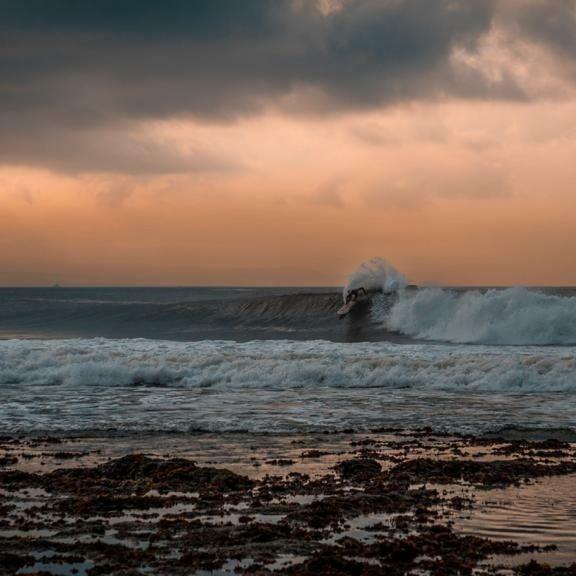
x,y
353,297
356,295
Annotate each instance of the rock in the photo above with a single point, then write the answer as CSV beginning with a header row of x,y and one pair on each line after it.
x,y
359,469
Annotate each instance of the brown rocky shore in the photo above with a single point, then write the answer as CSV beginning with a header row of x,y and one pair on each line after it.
x,y
384,502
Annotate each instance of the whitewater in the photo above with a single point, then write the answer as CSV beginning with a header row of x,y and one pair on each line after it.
x,y
281,386
513,316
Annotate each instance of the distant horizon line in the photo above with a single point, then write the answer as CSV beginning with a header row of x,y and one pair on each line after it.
x,y
254,286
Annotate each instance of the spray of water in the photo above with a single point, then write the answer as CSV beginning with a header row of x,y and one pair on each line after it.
x,y
375,274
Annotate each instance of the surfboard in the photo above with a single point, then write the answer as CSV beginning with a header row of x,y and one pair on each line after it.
x,y
345,309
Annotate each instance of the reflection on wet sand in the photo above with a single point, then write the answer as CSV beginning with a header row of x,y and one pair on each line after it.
x,y
340,503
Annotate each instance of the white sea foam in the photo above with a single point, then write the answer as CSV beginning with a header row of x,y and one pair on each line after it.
x,y
515,316
280,385
285,364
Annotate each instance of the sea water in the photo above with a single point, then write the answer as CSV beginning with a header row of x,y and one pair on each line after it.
x,y
279,360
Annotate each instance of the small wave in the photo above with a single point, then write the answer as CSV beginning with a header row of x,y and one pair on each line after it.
x,y
513,316
286,307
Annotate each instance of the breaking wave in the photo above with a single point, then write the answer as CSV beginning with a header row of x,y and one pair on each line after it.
x,y
401,314
514,316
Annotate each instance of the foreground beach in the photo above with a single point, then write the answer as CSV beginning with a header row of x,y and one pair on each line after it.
x,y
384,502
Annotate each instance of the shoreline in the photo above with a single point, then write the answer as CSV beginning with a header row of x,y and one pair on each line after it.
x,y
505,433
327,503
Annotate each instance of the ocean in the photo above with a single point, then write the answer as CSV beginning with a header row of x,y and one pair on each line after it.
x,y
278,360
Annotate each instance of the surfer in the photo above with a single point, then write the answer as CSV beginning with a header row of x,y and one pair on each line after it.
x,y
353,295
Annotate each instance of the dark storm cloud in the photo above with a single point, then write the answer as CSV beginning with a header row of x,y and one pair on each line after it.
x,y
222,57
552,24
72,70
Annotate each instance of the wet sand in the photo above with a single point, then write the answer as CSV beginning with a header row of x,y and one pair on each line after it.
x,y
385,502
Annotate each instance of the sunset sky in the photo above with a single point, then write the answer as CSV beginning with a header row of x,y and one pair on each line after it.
x,y
283,142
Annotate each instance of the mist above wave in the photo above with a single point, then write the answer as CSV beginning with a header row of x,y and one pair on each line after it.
x,y
375,274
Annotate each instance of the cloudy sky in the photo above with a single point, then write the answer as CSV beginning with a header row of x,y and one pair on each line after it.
x,y
263,142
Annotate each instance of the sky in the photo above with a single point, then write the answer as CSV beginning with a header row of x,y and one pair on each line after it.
x,y
283,142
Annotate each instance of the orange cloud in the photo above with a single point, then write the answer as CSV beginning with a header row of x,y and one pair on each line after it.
x,y
451,193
